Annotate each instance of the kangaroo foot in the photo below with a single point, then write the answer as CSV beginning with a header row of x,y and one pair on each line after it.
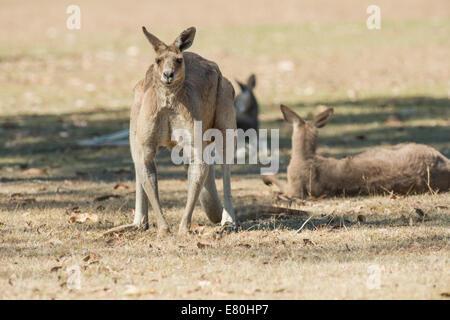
x,y
183,230
163,231
228,227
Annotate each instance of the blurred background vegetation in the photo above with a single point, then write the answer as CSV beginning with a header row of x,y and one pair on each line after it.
x,y
58,86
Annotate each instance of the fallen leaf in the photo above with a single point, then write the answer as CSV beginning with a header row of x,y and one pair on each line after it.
x,y
202,245
83,217
55,268
307,242
91,256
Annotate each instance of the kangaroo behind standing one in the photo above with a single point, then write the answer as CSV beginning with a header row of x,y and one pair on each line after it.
x,y
403,168
179,88
246,105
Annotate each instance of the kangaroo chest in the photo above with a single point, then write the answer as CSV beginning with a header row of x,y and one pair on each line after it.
x,y
168,114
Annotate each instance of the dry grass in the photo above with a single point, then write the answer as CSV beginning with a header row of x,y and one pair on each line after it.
x,y
267,259
387,86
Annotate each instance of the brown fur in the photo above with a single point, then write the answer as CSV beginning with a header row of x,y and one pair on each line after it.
x,y
403,168
197,91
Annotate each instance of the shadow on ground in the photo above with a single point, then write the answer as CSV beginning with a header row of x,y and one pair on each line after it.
x,y
49,141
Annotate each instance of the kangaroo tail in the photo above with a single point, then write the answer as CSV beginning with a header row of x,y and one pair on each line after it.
x,y
272,179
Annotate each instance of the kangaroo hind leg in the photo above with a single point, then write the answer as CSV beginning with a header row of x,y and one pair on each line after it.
x,y
209,198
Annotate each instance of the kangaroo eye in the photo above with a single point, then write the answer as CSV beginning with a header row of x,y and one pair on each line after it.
x,y
158,60
179,60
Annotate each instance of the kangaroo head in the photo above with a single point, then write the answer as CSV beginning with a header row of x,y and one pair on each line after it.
x,y
243,100
169,62
305,133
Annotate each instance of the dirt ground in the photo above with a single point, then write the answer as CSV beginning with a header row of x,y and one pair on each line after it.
x,y
58,86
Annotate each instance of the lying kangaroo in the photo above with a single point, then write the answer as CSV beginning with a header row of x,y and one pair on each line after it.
x,y
246,105
178,89
403,168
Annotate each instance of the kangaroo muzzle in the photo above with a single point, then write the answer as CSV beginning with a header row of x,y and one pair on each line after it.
x,y
168,76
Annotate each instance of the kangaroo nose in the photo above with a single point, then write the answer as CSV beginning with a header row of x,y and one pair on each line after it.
x,y
168,74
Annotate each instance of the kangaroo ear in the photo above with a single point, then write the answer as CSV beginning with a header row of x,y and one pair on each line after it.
x,y
185,39
251,82
290,116
154,41
241,85
322,119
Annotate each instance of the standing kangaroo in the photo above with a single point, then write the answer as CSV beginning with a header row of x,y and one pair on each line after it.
x,y
401,168
178,89
246,105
